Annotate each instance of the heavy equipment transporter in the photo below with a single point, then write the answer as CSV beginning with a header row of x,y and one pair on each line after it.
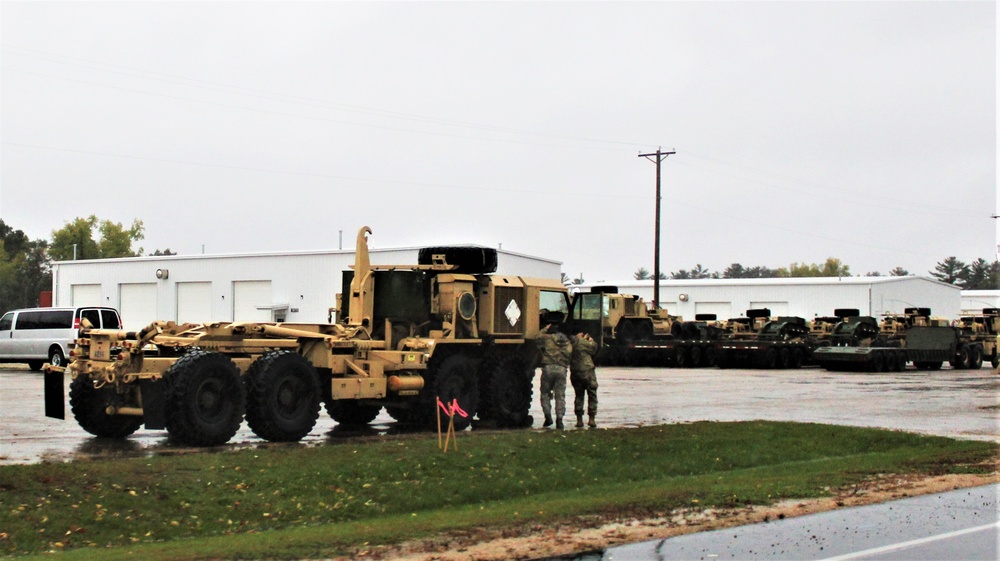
x,y
860,344
629,333
782,342
406,336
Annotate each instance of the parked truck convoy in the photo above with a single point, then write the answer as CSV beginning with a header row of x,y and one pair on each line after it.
x,y
628,332
405,336
860,344
783,342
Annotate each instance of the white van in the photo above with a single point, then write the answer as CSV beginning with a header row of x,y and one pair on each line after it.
x,y
37,335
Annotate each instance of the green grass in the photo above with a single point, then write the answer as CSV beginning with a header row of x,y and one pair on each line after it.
x,y
285,501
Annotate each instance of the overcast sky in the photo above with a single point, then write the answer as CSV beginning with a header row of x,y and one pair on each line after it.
x,y
858,130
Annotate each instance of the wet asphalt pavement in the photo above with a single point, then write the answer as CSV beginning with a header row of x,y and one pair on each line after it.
x,y
958,525
956,403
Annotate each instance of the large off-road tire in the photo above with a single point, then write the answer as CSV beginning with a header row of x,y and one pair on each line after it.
x,y
708,353
283,395
680,357
877,362
995,360
724,359
696,358
89,407
891,362
506,390
205,399
456,379
798,358
351,413
626,333
961,359
975,357
784,358
900,361
469,260
771,358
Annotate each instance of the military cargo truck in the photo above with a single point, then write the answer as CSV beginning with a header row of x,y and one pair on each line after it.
x,y
406,336
628,332
986,329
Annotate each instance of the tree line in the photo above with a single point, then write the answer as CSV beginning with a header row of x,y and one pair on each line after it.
x,y
26,270
977,275
26,265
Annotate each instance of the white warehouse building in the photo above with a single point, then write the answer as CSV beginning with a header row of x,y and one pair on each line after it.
x,y
293,286
973,301
803,297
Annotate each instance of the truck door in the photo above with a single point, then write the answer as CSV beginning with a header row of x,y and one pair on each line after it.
x,y
586,315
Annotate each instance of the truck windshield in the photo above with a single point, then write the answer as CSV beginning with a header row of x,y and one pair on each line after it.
x,y
589,306
554,301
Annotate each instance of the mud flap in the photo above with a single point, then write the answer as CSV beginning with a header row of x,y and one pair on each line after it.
x,y
154,404
55,396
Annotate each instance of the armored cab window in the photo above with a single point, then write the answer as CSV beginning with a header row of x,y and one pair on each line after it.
x,y
553,302
590,307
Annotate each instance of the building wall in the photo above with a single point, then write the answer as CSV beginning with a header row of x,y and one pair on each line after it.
x,y
295,287
803,297
973,301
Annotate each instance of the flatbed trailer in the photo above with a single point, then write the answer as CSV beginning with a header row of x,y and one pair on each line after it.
x,y
927,347
782,343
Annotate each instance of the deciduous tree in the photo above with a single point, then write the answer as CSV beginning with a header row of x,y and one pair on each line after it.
x,y
24,269
76,239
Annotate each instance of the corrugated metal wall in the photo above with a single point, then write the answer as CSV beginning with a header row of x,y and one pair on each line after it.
x,y
973,301
807,298
302,285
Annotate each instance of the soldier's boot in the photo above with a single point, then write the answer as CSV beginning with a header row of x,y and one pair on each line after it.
x,y
559,423
579,421
592,423
548,421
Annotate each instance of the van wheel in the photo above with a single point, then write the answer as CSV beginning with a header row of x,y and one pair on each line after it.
x,y
89,406
56,357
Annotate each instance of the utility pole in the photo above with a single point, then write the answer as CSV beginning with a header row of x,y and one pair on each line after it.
x,y
656,158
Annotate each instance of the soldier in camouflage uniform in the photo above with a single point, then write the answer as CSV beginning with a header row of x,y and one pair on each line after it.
x,y
584,378
556,353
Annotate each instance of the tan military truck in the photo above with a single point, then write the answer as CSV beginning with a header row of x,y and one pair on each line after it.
x,y
629,332
985,329
407,336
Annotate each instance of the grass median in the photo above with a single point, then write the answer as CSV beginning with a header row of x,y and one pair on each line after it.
x,y
294,501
